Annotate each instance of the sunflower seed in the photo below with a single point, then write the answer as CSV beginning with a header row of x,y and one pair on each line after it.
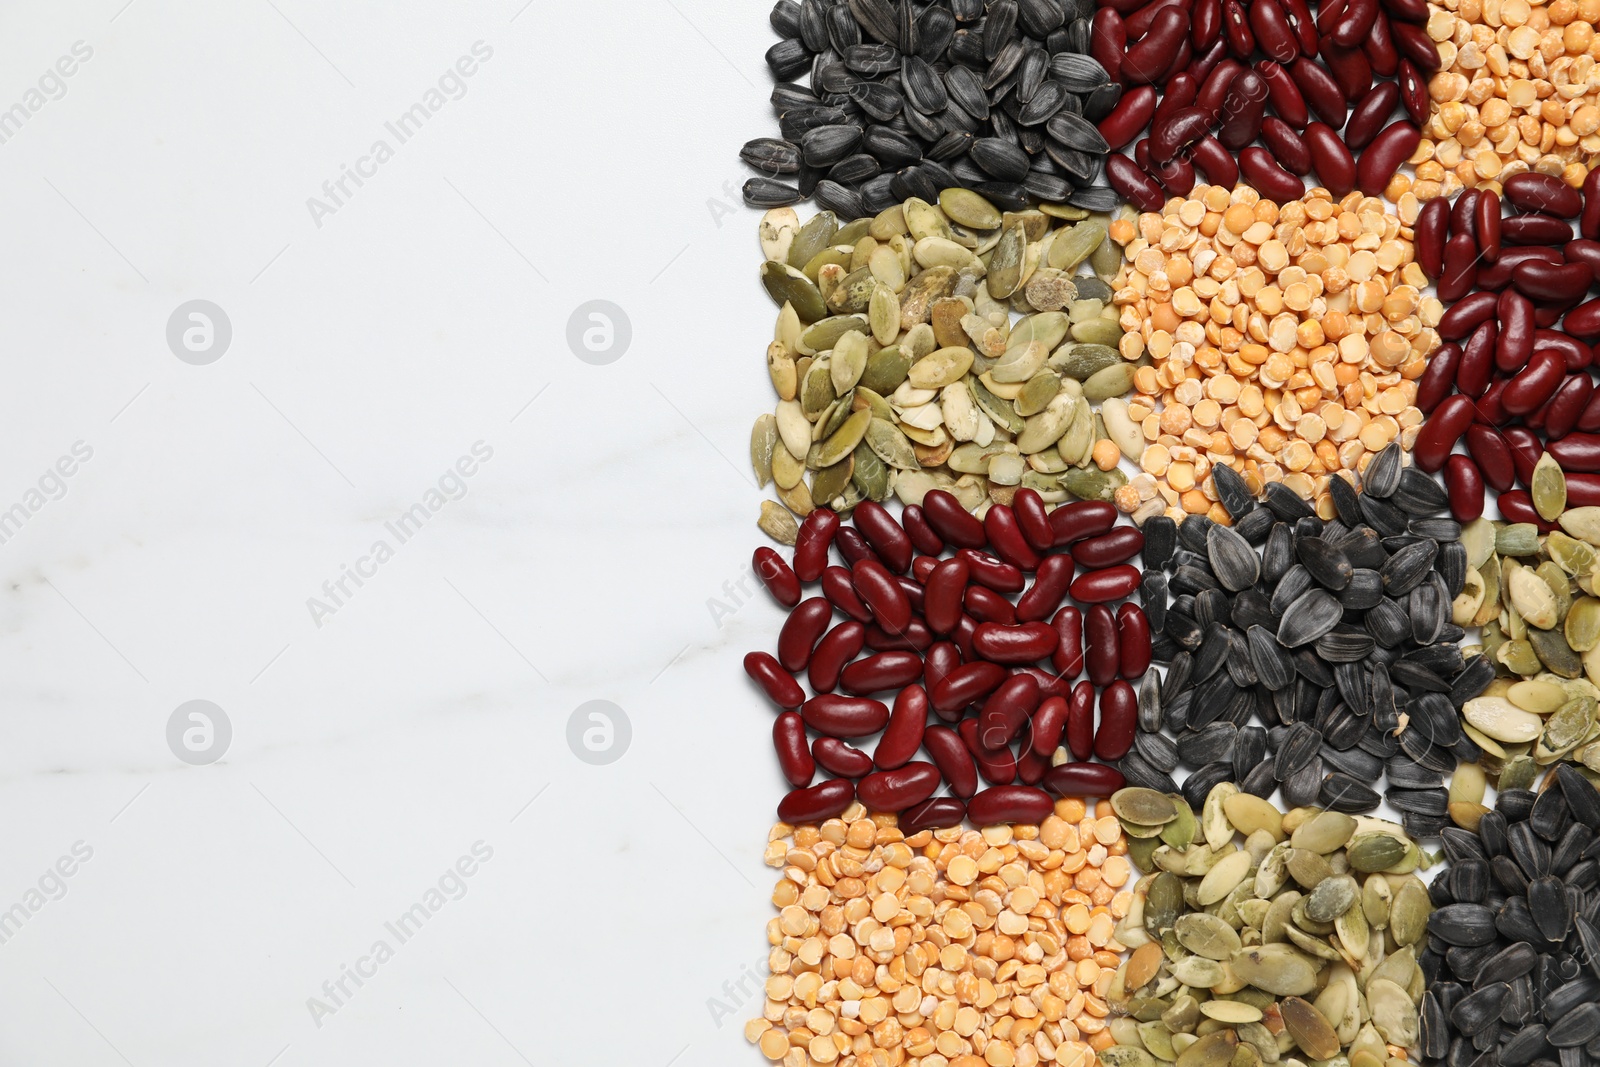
x,y
999,158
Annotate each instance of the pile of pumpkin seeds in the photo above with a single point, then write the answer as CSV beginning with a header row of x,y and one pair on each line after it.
x,y
1299,945
899,367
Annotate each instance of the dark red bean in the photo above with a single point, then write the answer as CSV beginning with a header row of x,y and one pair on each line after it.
x,y
1138,24
1118,720
1351,70
841,716
1215,162
1460,262
1203,64
1440,432
1080,721
951,521
811,544
1534,384
1477,360
1514,343
1048,590
1007,711
1100,644
1431,232
935,814
1244,106
819,803
1334,164
1517,506
1205,26
1370,114
1273,33
898,789
1133,641
1048,723
1463,215
1085,518
985,605
943,593
1131,115
1033,519
1328,16
880,672
1578,355
1526,448
963,637
1101,587
841,760
1133,184
841,645
1415,44
967,684
1145,62
1547,282
1589,421
1407,10
1108,41
1008,804
1031,767
1005,537
1577,452
1583,490
853,548
839,588
922,535
1532,191
938,662
1438,376
777,683
794,758
998,766
1236,29
1583,322
903,736
1413,91
1497,275
1467,314
1380,49
1288,147
1382,158
1026,642
1535,229
1181,129
1068,656
1583,251
1487,225
1568,403
1269,179
1108,549
886,536
913,591
1492,455
1175,175
800,632
777,576
1050,683
1284,95
1305,28
1354,24
992,573
1589,220
1084,780
916,637
1464,484
1215,89
880,592
954,761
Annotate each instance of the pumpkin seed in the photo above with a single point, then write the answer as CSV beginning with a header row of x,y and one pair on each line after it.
x,y
778,524
1548,488
891,445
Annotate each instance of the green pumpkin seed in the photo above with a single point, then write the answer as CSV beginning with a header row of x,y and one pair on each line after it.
x,y
870,474
824,334
1332,897
1309,1029
1582,625
1006,263
969,209
1163,903
1180,832
1084,361
883,314
1093,484
1277,969
786,285
891,445
1143,807
1207,936
778,524
1376,900
940,368
1393,1013
1126,1056
1518,773
1248,813
1040,390
829,483
1231,1012
1325,832
815,235
1548,488
1375,851
1112,381
1074,245
1517,539
1408,915
886,369
1223,877
763,439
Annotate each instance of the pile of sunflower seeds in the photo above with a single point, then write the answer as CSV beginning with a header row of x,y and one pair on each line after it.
x,y
1513,956
899,369
1336,635
1299,945
905,98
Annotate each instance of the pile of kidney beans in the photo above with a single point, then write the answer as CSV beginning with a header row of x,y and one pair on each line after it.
x,y
968,620
1512,377
1221,64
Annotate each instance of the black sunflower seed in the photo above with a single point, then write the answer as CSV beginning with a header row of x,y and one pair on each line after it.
x,y
788,58
923,87
1382,476
841,199
1418,494
1201,781
1577,1027
770,193
1043,104
1158,750
1340,792
1286,503
1479,1009
1077,133
1463,924
1312,614
877,18
935,27
999,158
1139,772
1329,567
1530,851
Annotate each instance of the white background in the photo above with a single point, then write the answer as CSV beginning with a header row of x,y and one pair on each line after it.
x,y
592,157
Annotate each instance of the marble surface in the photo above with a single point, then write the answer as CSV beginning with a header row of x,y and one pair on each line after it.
x,y
383,836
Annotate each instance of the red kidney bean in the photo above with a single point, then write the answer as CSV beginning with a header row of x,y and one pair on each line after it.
x,y
903,736
1536,229
852,546
938,662
1115,546
935,814
1351,70
1215,162
794,758
1048,723
1175,175
1415,44
817,804
1215,89
1050,683
1463,215
1118,720
1526,449
1413,91
1100,587
1007,711
1301,24
985,605
1583,490
811,545
1431,231
992,573
950,755
1589,421
1145,62
967,684
880,592
1008,804
777,683
1085,518
1486,225
1354,23
916,637
1492,455
1497,275
884,534
1084,780
1244,106
913,591
1517,506
1206,62
921,533
1583,322
1438,376
1182,128
880,672
1108,41
1133,641
1589,220
1133,184
1288,147
841,760
1273,33
842,644
777,576
1439,433
1577,452
1068,656
1568,403
1460,262
839,588
1477,360
1466,315
1269,179
1138,24
1583,251
1049,589
1464,484
1532,191
922,566
800,632
1380,49
1552,283
1333,162
1489,411
1370,114
998,766
1514,343
1031,767
963,637
1033,519
1080,721
840,716
1382,158
1205,27
1100,644
1005,537
1407,10
1284,94
1328,16
952,522
1236,29
898,789
943,593
1578,355
1026,642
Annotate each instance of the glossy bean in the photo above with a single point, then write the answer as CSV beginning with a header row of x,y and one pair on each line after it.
x,y
1413,91
1244,106
1010,804
1328,15
1051,684
1287,102
1117,545
1080,721
1033,519
1460,265
1005,538
903,735
881,593
1535,229
817,804
1432,230
914,637
1269,179
1129,118
1206,61
1569,402
779,685
922,535
842,716
777,576
880,672
996,766
1304,27
1334,164
1205,24
1550,283
1467,314
840,759
1108,41
1048,723
1463,215
1133,641
1533,191
935,814
1082,519
1133,184
1215,162
899,789
1407,10
1100,587
1497,275
1084,780
1100,643
794,757
1440,432
1514,341
1526,448
985,605
1487,225
1583,490
1274,35
1438,376
853,548
963,637
1048,590
1354,23
1214,90
1578,355
952,522
886,536
1181,129
992,573
1236,29
800,632
1492,455
1351,70
1370,114
1589,421
1007,711
1414,44
839,588
1577,452
1138,24
1488,410
1382,158
811,545
1583,322
1583,251
1119,709
1463,483
937,663
841,645
943,595
1589,219
1026,642
1517,506
1068,656
1031,767
1145,62
967,684
1380,49
1175,175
